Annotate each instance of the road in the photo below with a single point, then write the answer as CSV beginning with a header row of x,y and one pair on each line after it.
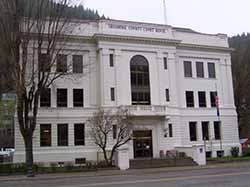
x,y
212,177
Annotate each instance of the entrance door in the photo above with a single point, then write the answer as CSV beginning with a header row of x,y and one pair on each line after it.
x,y
143,144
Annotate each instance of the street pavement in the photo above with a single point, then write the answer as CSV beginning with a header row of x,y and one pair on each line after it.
x,y
227,175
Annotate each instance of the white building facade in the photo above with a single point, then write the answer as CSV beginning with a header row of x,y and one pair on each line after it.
x,y
167,77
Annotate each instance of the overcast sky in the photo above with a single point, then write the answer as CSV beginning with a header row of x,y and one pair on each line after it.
x,y
209,16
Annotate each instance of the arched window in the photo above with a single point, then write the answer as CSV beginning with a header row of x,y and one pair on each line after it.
x,y
140,85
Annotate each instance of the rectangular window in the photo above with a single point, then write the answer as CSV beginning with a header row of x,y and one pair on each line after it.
x,y
213,98
112,94
170,130
165,61
200,69
114,132
79,134
45,135
167,95
111,60
45,98
202,99
62,98
190,98
62,134
78,97
217,130
192,131
61,63
211,70
187,69
44,63
77,64
205,130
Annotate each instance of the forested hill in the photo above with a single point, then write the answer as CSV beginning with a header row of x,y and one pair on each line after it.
x,y
79,12
241,80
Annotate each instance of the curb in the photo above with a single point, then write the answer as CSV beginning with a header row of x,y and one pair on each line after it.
x,y
118,172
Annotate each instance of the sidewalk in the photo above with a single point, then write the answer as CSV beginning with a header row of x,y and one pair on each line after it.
x,y
118,172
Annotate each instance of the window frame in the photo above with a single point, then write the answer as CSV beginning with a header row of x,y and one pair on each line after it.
x,y
61,65
44,101
79,141
211,74
170,130
75,68
112,94
205,130
165,63
213,99
59,103
60,141
193,135
202,99
216,136
188,67
167,95
43,142
75,102
189,104
111,60
198,73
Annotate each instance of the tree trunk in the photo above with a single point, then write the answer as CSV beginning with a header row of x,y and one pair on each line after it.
x,y
29,155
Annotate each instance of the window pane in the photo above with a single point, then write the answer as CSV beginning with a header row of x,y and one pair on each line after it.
x,y
217,130
77,64
112,94
167,95
200,69
61,64
78,97
79,134
45,135
202,99
205,130
62,97
45,98
170,128
192,131
114,131
187,69
111,60
44,63
211,70
62,134
140,83
190,99
213,98
165,61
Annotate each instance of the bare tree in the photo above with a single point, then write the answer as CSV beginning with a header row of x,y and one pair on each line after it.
x,y
104,124
32,35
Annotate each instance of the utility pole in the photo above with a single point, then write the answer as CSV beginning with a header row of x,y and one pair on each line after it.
x,y
165,12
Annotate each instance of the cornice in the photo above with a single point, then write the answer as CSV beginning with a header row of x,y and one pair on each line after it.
x,y
204,48
136,39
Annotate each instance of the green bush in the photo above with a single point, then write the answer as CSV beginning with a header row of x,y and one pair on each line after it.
x,y
235,151
246,152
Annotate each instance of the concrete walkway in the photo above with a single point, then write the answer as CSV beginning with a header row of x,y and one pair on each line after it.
x,y
52,176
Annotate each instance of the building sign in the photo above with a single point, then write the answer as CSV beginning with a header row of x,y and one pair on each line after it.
x,y
137,28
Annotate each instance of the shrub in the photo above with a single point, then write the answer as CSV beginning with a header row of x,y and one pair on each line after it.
x,y
235,151
246,152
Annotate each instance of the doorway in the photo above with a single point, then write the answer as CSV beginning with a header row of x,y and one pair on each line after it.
x,y
142,141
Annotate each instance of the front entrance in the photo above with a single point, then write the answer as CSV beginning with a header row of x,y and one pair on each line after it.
x,y
143,144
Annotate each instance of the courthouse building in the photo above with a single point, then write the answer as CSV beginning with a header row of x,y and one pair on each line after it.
x,y
167,77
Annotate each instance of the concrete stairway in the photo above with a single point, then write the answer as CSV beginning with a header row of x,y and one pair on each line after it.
x,y
161,162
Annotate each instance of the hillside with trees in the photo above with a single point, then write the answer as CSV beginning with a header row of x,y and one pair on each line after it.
x,y
241,80
70,12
